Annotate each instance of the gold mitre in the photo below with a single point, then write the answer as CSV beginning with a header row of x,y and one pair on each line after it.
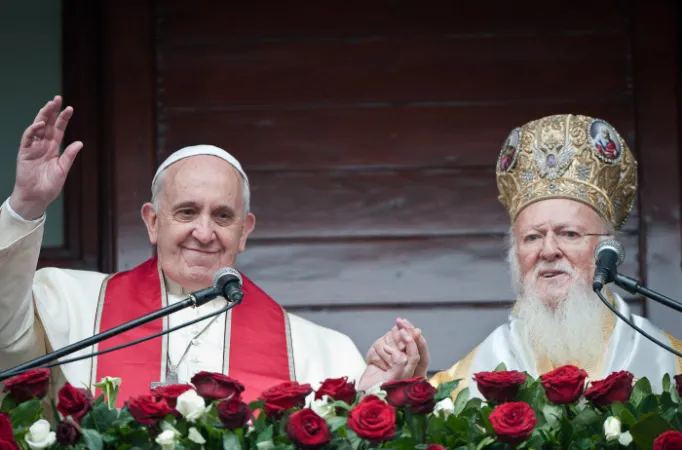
x,y
568,156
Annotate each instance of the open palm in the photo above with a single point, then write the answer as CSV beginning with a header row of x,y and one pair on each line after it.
x,y
41,170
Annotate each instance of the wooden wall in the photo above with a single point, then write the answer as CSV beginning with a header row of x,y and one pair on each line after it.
x,y
370,132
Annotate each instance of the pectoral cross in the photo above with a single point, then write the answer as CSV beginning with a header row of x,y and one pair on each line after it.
x,y
171,378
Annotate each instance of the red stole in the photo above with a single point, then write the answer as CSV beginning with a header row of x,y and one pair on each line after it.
x,y
257,346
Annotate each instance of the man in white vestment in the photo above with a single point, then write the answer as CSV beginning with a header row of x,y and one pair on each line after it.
x,y
199,221
563,198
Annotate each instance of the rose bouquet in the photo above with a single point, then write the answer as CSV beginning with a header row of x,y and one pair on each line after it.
x,y
559,410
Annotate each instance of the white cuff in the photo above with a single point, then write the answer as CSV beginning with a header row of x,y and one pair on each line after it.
x,y
16,215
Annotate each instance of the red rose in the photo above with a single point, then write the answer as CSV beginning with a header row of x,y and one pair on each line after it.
x,y
670,440
233,413
396,391
617,387
7,441
171,393
216,386
148,409
30,384
68,433
74,402
420,397
307,430
372,419
499,387
435,447
513,422
564,385
285,396
338,389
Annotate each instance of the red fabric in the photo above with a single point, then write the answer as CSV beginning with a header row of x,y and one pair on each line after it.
x,y
259,356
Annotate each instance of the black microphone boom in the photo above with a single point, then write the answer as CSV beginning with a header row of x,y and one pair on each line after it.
x,y
228,281
609,254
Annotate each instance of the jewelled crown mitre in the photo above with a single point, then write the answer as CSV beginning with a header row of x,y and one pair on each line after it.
x,y
568,156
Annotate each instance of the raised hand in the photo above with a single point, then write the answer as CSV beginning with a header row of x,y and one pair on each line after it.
x,y
41,170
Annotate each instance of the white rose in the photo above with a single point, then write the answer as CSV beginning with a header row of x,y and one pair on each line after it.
x,y
39,435
166,439
191,405
625,439
194,436
115,381
612,428
376,390
446,405
322,407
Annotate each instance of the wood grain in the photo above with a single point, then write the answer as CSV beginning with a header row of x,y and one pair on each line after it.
x,y
349,137
366,203
458,269
451,333
211,20
211,74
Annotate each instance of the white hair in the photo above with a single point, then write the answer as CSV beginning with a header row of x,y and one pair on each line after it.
x,y
157,188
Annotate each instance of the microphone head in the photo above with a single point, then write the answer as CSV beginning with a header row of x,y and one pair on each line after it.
x,y
610,245
224,276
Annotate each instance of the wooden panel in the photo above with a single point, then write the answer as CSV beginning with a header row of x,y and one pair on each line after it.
x,y
450,333
467,69
412,136
435,202
656,74
129,136
213,20
464,269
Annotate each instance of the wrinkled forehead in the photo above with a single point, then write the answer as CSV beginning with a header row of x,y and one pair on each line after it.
x,y
558,213
202,176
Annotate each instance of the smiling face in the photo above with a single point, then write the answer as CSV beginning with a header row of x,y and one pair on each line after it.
x,y
200,224
552,249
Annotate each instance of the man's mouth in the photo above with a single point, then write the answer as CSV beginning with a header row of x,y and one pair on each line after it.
x,y
551,273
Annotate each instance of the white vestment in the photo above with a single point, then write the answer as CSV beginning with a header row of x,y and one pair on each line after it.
x,y
626,350
51,308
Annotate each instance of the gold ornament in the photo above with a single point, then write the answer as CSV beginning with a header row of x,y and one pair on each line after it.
x,y
568,156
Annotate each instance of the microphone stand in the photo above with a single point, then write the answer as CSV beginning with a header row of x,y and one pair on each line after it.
x,y
195,299
633,286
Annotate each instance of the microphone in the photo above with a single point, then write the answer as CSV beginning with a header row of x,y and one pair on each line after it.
x,y
228,282
608,254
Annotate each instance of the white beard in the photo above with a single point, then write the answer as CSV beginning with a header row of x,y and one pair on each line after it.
x,y
572,333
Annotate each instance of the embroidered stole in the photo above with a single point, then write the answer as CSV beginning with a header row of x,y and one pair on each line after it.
x,y
257,347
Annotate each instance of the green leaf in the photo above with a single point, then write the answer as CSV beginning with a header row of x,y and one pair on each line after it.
x,y
104,417
26,413
647,430
336,422
552,413
445,389
92,439
623,414
485,441
641,389
648,405
586,418
8,404
666,383
265,435
461,401
231,441
501,367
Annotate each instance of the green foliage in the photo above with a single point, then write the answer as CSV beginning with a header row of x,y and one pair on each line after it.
x,y
462,423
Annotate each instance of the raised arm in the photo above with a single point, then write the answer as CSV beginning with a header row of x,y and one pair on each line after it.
x,y
41,173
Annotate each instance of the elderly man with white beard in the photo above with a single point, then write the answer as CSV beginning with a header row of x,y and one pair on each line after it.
x,y
564,194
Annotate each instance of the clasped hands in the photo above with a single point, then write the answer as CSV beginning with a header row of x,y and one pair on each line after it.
x,y
399,354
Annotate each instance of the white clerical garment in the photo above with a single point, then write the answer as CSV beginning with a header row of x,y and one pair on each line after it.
x,y
626,349
51,308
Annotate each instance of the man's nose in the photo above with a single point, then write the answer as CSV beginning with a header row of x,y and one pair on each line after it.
x,y
550,248
203,230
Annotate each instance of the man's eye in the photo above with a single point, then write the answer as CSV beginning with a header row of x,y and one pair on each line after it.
x,y
186,212
532,237
571,234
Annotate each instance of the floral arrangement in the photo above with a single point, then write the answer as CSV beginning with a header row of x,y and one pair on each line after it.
x,y
559,410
